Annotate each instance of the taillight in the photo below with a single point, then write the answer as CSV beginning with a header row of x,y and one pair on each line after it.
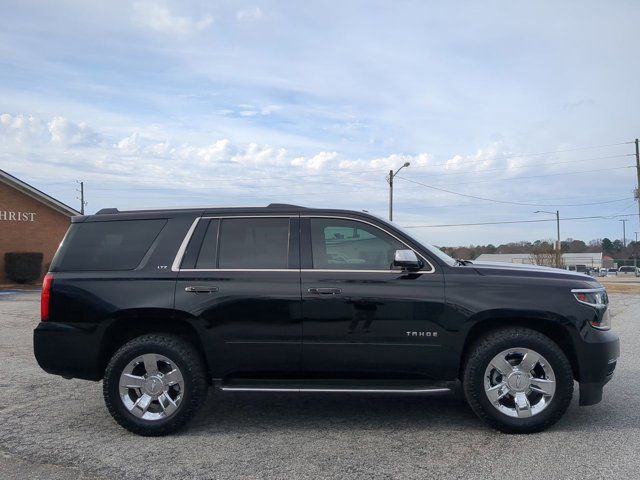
x,y
45,297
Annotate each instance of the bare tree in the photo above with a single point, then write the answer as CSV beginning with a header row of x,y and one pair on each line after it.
x,y
544,255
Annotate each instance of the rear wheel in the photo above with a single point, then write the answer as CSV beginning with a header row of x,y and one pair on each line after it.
x,y
154,384
518,380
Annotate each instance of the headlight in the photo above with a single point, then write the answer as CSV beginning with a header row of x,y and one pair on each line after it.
x,y
597,298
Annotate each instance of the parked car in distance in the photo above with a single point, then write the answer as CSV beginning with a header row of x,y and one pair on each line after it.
x,y
161,304
612,272
602,272
628,271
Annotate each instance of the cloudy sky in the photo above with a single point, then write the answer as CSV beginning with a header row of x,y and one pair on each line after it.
x,y
502,108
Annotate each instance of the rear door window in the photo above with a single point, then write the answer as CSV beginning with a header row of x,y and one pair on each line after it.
x,y
113,245
253,243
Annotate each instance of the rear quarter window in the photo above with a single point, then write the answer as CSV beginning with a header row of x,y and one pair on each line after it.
x,y
113,245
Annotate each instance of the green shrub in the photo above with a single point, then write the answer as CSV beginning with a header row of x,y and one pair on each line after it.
x,y
23,267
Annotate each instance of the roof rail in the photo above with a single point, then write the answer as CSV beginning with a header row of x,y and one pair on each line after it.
x,y
283,205
107,211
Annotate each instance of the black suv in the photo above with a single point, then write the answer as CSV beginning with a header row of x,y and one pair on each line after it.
x,y
162,304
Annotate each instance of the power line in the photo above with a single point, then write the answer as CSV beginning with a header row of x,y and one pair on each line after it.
x,y
582,160
422,207
508,179
602,217
518,155
492,199
351,184
502,157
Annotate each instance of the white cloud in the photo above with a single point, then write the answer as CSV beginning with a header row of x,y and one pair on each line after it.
x,y
316,163
161,19
269,109
29,131
249,14
392,161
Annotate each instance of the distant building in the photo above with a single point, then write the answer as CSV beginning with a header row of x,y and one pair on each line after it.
x,y
569,260
30,221
607,261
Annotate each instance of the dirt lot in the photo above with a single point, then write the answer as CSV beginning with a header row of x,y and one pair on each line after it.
x,y
55,428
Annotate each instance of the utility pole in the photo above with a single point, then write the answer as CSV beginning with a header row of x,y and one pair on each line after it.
x,y
390,195
82,202
624,231
637,192
558,243
390,180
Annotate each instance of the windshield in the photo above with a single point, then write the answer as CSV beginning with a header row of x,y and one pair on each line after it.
x,y
430,248
440,254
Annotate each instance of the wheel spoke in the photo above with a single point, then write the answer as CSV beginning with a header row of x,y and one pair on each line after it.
x,y
497,392
500,363
529,361
167,404
173,377
544,386
523,407
142,404
131,381
150,363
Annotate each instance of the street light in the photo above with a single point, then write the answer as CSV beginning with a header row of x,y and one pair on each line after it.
x,y
390,180
557,249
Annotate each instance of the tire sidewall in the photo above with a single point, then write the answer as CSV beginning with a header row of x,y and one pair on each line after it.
x,y
475,391
112,384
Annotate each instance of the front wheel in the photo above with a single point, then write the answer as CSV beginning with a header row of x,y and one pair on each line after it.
x,y
154,384
518,380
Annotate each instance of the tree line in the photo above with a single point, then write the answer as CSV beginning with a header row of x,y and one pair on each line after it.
x,y
612,248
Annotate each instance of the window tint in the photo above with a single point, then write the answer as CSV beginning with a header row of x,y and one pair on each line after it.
x,y
115,245
254,243
209,249
351,245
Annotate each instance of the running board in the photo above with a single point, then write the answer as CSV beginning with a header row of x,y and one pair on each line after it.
x,y
333,387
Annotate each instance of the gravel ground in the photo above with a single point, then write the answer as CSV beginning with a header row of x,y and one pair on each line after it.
x,y
60,429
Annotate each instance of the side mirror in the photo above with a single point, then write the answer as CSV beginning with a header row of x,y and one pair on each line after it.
x,y
407,260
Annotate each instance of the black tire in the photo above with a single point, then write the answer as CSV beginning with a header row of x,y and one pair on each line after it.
x,y
188,361
490,345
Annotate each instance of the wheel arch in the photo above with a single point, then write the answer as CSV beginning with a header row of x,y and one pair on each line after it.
x,y
129,324
558,330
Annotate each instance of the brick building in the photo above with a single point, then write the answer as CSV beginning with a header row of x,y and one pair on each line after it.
x,y
30,221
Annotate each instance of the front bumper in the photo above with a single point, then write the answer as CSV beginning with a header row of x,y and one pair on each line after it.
x,y
597,357
68,350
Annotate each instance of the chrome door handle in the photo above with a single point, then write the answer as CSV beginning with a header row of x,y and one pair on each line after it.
x,y
201,289
325,291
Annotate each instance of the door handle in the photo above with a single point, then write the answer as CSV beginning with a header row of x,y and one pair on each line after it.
x,y
325,291
201,289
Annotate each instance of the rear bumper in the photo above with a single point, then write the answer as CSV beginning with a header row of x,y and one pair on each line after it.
x,y
68,350
598,356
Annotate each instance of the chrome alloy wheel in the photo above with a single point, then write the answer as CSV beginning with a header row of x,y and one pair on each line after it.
x,y
519,382
151,387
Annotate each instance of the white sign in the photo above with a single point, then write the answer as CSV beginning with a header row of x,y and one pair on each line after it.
x,y
9,216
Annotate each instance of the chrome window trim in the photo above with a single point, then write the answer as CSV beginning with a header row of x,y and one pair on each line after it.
x,y
337,270
239,269
175,266
432,270
397,272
